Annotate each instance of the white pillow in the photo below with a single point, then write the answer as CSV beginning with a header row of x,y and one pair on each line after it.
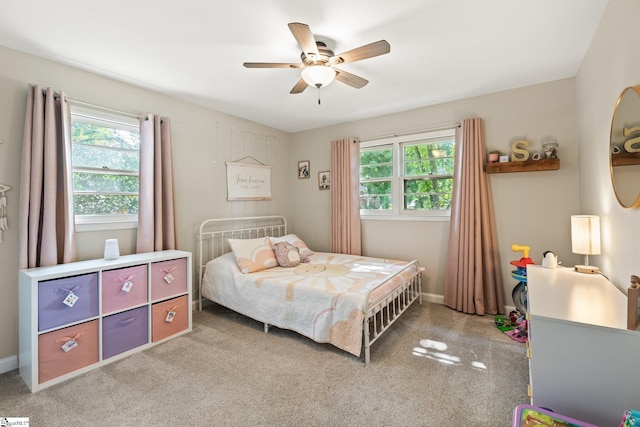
x,y
253,254
305,252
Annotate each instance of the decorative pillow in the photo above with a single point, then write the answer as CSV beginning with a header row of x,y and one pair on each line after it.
x,y
305,252
253,254
287,254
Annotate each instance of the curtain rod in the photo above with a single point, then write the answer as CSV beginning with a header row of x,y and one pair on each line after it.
x,y
99,107
413,132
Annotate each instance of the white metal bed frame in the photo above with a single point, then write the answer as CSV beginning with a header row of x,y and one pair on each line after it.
x,y
212,242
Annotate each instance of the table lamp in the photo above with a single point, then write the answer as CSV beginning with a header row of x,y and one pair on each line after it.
x,y
585,240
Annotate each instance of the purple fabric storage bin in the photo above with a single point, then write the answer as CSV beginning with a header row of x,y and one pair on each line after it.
x,y
124,331
53,312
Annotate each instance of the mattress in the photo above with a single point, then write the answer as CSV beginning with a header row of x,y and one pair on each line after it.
x,y
325,299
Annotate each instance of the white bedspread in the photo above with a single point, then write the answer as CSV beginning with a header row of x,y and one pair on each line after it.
x,y
324,300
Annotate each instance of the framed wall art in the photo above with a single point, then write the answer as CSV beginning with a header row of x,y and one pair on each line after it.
x,y
304,169
324,180
248,182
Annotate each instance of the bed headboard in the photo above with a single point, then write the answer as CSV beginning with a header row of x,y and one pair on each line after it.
x,y
213,234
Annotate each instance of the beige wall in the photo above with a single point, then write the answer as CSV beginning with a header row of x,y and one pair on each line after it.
x,y
202,141
611,64
532,208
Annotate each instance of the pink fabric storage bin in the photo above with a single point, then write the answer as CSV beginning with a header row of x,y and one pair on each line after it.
x,y
53,312
115,284
160,327
124,331
168,278
53,361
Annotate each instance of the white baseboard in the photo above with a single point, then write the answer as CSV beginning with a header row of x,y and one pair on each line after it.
x,y
8,364
438,299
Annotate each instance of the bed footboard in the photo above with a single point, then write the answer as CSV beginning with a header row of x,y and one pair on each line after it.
x,y
380,316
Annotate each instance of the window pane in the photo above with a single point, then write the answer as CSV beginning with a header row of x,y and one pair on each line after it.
x,y
434,158
421,194
104,158
104,136
428,202
105,183
375,195
377,163
100,204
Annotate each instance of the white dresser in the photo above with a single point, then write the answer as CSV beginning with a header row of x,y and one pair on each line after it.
x,y
78,316
583,362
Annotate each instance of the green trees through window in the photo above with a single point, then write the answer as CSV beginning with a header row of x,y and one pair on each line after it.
x,y
408,175
105,157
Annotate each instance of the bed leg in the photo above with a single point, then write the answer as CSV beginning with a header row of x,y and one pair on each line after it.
x,y
367,344
266,328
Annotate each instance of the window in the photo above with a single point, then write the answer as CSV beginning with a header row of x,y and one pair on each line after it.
x,y
105,156
409,175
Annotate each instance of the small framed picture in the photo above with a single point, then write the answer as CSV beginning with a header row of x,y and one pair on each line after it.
x,y
304,169
324,179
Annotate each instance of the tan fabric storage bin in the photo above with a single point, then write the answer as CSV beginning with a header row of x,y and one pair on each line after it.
x,y
160,327
53,361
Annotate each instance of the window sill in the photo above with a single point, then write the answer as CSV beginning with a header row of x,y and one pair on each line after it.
x,y
84,225
395,217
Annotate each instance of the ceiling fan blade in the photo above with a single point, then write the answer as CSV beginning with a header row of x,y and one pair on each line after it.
x,y
363,52
350,79
305,39
299,87
272,65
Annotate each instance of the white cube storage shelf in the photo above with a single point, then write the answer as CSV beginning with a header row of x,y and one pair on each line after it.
x,y
78,316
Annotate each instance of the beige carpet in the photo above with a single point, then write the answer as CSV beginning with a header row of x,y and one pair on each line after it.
x,y
435,367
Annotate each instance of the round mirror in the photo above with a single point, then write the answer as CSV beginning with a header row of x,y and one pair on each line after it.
x,y
624,148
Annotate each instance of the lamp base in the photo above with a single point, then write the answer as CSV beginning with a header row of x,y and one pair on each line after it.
x,y
589,269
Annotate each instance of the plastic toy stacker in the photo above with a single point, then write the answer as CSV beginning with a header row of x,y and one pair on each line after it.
x,y
519,293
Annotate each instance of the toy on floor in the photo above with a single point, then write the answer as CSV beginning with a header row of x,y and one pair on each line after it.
x,y
630,418
519,293
516,326
532,416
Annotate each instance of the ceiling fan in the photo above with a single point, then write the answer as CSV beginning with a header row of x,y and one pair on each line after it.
x,y
319,62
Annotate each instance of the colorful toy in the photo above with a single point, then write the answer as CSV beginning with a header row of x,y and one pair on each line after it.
x,y
519,293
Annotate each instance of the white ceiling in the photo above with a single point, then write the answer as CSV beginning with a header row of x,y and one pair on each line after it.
x,y
441,50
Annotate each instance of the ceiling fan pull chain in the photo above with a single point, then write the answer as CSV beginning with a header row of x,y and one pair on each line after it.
x,y
318,95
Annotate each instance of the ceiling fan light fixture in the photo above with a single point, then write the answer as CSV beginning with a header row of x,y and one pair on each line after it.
x,y
318,75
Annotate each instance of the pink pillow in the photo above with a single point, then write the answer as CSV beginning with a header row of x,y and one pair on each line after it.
x,y
253,254
294,240
286,254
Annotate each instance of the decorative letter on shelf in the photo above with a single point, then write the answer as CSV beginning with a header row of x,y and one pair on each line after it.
x,y
248,182
520,152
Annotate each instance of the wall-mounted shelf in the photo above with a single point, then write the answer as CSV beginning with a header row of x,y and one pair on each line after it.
x,y
526,166
625,159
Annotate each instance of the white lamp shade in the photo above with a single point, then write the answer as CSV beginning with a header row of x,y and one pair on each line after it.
x,y
318,75
585,234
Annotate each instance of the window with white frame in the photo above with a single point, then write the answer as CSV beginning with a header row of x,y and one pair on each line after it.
x,y
408,175
105,157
